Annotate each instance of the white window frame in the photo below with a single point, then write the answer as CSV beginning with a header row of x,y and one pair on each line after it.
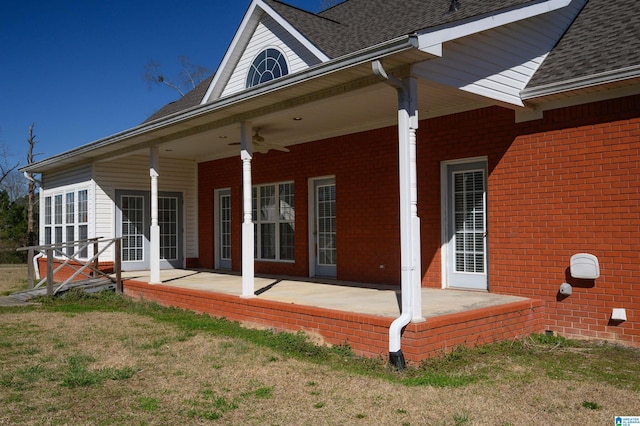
x,y
285,216
64,213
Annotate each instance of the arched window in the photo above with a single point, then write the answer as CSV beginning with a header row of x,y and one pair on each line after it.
x,y
269,64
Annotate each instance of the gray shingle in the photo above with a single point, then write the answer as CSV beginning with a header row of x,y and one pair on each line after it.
x,y
604,37
190,99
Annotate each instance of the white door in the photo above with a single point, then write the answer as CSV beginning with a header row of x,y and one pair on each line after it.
x,y
133,220
223,229
466,216
324,254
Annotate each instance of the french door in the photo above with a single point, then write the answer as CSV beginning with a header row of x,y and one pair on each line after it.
x,y
133,221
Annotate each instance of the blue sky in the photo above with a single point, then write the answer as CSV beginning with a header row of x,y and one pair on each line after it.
x,y
75,67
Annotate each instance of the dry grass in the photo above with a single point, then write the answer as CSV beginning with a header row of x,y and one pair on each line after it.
x,y
187,378
149,372
12,278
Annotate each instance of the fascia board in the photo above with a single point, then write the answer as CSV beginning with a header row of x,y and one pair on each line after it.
x,y
431,40
249,22
397,45
581,82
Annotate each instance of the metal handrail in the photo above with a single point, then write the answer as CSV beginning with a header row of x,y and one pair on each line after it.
x,y
88,267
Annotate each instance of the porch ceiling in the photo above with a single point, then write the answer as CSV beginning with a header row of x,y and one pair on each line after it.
x,y
374,105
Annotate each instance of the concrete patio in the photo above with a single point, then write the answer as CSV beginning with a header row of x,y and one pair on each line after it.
x,y
361,298
337,312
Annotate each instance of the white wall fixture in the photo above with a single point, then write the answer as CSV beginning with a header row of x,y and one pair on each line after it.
x,y
585,266
566,289
619,314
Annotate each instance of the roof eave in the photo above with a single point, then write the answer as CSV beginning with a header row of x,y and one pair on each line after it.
x,y
578,83
379,51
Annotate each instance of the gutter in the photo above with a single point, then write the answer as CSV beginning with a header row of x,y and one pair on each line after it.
x,y
580,82
390,47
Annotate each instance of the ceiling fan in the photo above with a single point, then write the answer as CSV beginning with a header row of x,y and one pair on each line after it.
x,y
260,145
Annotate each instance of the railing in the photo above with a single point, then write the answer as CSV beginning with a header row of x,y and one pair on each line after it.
x,y
69,255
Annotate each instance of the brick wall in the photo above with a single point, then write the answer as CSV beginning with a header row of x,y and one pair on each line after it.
x,y
367,335
367,204
558,186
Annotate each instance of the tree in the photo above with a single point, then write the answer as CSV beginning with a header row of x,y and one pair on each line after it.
x,y
189,77
5,168
31,199
13,228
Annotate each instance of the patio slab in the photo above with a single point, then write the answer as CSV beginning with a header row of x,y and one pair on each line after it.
x,y
369,299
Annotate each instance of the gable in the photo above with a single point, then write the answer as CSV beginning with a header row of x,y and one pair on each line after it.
x,y
269,34
499,63
262,27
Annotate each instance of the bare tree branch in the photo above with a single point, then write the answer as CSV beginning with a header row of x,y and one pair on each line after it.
x,y
5,168
31,222
189,77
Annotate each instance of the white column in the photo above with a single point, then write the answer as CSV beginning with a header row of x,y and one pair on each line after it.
x,y
411,88
154,246
409,221
246,154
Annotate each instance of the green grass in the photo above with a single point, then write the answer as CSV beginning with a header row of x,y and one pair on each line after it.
x,y
513,361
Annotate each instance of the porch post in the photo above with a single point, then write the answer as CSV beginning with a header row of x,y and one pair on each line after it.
x,y
246,154
154,246
410,231
411,85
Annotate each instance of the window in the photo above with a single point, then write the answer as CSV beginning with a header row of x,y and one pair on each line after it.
x,y
268,65
132,228
274,218
58,218
66,217
47,220
168,222
70,208
83,219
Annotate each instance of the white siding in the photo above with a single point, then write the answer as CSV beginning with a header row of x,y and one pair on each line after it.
x,y
66,177
132,173
499,63
269,34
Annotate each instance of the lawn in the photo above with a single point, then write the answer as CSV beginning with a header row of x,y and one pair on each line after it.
x,y
105,360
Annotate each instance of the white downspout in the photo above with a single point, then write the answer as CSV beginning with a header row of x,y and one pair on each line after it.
x,y
409,240
246,154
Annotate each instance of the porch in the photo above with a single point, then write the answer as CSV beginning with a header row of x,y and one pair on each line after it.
x,y
338,312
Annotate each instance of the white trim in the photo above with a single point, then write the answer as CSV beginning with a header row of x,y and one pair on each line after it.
x,y
536,111
428,40
311,218
242,37
581,82
444,214
217,229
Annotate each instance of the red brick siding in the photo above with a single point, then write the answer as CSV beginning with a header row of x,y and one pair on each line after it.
x,y
569,184
367,335
367,203
565,184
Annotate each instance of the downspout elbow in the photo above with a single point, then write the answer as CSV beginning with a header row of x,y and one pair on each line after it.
x,y
396,357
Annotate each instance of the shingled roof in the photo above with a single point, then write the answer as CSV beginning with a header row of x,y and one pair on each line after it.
x,y
604,37
357,24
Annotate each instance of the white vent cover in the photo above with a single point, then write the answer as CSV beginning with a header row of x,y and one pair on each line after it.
x,y
584,265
